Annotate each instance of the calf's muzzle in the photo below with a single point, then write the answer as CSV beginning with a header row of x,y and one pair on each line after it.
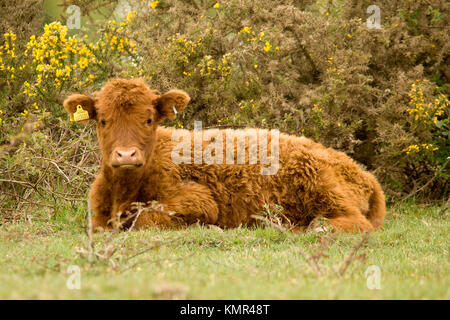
x,y
127,158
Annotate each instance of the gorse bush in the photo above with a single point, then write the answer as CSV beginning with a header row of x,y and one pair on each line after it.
x,y
57,63
309,68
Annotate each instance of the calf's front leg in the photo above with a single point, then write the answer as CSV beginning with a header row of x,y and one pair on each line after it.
x,y
100,205
189,201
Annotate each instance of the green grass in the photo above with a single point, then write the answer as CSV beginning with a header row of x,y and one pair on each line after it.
x,y
412,252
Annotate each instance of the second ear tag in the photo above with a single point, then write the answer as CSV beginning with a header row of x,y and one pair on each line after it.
x,y
80,114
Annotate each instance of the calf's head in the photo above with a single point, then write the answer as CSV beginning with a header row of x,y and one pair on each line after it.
x,y
127,114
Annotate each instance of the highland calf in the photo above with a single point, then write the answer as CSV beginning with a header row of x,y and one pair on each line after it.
x,y
311,181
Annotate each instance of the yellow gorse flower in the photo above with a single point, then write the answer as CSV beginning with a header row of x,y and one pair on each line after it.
x,y
415,148
59,59
9,45
56,56
260,38
426,112
246,30
215,68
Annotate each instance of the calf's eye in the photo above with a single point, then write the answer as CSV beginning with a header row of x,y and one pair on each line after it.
x,y
149,121
103,122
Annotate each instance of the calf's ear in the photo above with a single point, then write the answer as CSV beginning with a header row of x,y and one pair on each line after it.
x,y
80,108
170,103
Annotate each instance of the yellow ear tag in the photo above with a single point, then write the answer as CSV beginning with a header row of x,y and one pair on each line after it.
x,y
80,114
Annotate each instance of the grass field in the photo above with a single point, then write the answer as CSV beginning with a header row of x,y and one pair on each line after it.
x,y
412,253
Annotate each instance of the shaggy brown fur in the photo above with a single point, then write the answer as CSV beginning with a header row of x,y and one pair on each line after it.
x,y
311,181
